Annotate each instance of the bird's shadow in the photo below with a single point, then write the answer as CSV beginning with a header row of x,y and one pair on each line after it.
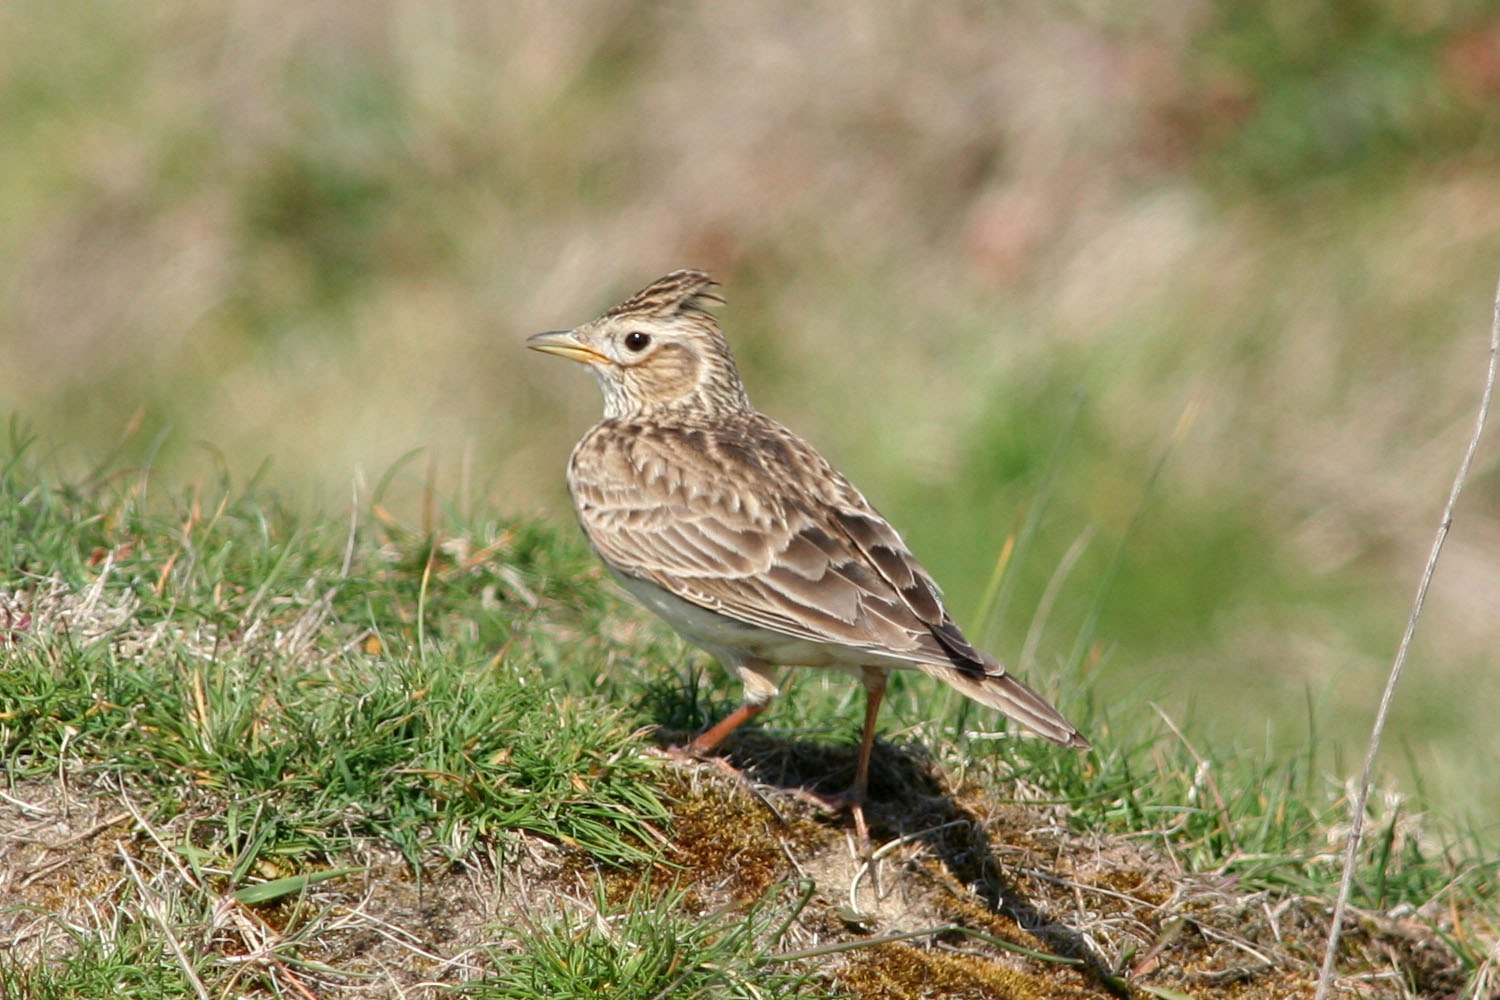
x,y
908,797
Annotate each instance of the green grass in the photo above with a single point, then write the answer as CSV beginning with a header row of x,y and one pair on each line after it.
x,y
128,962
398,720
1280,216
646,946
277,697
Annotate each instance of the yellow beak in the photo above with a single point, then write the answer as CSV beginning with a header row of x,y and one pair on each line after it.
x,y
565,345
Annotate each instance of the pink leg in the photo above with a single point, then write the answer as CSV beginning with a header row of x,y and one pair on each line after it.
x,y
711,738
875,679
853,797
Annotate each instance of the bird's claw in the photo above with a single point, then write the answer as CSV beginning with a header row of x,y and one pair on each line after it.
x,y
851,801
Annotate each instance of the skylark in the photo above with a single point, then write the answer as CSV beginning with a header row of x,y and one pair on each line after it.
x,y
745,539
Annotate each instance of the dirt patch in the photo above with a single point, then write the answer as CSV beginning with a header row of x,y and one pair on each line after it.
x,y
58,854
80,863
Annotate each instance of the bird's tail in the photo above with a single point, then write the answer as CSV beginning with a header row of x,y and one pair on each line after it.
x,y
998,689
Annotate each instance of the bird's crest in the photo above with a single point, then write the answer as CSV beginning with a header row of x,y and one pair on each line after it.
x,y
678,292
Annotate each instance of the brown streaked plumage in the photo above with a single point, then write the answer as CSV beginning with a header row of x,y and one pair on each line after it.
x,y
744,538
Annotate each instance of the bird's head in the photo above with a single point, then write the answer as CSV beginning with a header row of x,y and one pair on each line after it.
x,y
660,350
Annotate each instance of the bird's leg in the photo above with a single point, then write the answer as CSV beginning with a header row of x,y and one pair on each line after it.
x,y
853,797
759,679
874,678
711,737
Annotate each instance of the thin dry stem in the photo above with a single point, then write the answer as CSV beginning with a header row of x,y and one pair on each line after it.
x,y
152,909
1356,829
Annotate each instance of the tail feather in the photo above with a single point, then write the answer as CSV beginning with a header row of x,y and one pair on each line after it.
x,y
1000,690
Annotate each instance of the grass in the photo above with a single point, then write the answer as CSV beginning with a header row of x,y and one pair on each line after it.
x,y
129,961
253,753
934,236
224,665
644,947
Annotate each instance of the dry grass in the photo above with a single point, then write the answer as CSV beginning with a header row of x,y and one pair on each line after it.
x,y
1005,901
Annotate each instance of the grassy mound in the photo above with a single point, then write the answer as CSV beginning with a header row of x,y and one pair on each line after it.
x,y
248,753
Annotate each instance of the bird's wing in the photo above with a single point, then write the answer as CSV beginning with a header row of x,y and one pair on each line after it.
x,y
751,522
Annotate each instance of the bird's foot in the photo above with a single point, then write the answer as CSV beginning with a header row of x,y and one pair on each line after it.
x,y
691,754
833,802
850,800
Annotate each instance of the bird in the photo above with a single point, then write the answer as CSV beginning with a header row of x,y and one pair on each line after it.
x,y
745,539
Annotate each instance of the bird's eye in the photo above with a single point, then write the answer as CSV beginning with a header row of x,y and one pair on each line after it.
x,y
637,341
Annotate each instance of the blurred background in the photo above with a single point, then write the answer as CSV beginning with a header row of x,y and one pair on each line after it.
x,y
1000,262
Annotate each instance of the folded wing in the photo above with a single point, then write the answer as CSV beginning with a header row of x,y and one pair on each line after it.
x,y
754,524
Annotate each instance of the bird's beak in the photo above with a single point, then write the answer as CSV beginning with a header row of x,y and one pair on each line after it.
x,y
565,344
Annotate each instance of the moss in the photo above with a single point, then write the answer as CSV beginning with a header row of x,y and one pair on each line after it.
x,y
724,845
901,972
727,838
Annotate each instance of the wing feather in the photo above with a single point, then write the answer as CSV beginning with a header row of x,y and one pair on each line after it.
x,y
747,532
